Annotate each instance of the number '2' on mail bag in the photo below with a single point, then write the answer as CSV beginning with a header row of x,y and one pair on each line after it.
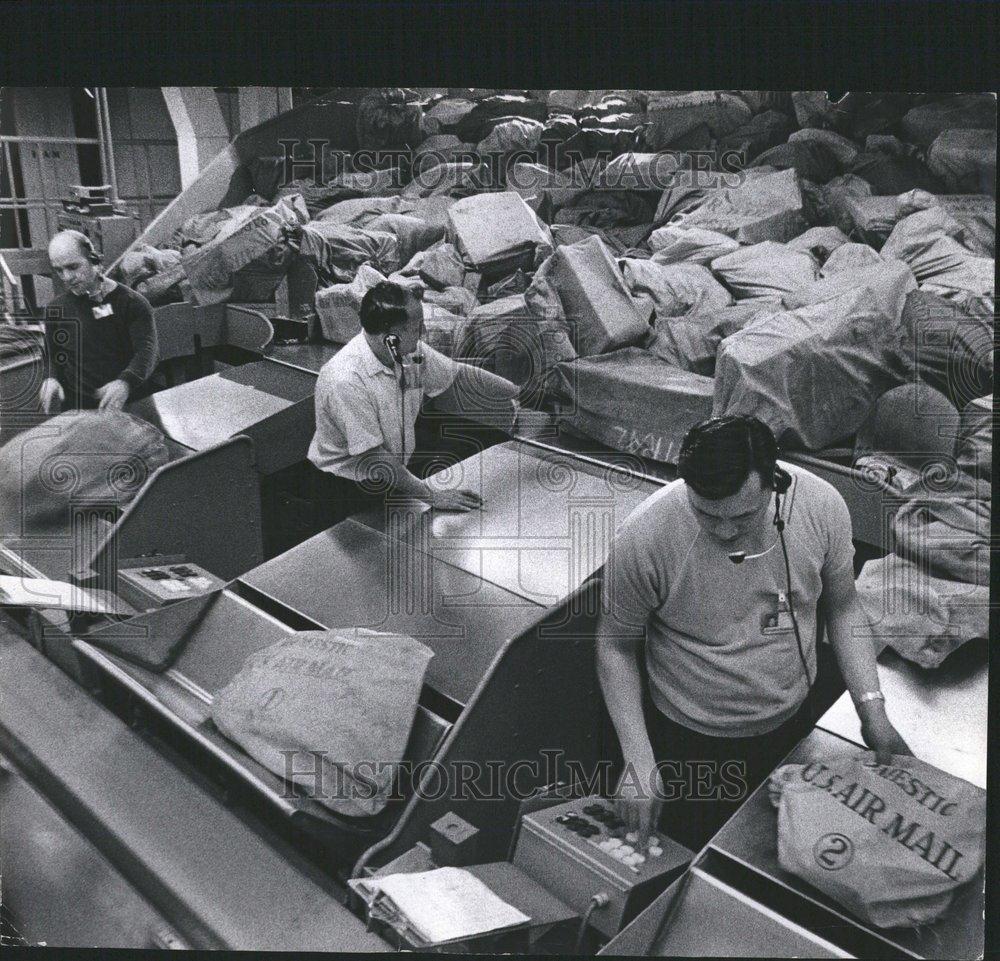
x,y
890,842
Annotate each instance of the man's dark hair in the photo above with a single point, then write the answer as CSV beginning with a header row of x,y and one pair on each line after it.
x,y
718,455
384,307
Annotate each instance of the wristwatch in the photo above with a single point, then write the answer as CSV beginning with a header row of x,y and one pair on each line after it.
x,y
871,696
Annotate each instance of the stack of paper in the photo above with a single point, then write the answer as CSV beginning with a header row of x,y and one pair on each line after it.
x,y
44,594
436,907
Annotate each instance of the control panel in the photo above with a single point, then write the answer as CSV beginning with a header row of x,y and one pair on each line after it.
x,y
579,849
153,585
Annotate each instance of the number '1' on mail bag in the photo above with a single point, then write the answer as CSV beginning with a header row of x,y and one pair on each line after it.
x,y
341,702
890,842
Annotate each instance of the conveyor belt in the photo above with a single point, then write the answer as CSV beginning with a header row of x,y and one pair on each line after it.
x,y
220,881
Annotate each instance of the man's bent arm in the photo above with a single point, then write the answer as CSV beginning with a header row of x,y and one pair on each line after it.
x,y
475,391
621,683
142,332
384,470
486,384
846,623
850,635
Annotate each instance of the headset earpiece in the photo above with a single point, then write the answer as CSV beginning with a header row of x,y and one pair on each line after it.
x,y
782,480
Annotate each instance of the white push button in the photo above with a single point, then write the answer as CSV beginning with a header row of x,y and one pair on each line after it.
x,y
655,852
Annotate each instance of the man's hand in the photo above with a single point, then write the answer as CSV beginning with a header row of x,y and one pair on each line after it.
x,y
113,395
880,735
639,799
50,390
455,500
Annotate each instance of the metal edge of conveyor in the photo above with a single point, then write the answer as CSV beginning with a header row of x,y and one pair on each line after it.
x,y
718,865
850,482
637,470
866,482
14,565
107,667
290,363
455,732
698,871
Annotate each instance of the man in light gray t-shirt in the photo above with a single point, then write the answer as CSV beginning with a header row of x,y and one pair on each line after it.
x,y
698,572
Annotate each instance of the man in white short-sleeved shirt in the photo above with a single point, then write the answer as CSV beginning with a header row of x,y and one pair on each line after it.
x,y
698,573
367,401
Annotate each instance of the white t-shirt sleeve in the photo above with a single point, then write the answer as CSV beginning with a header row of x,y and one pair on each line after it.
x,y
354,410
439,371
838,563
631,587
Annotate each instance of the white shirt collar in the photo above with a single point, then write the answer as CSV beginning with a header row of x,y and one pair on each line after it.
x,y
369,362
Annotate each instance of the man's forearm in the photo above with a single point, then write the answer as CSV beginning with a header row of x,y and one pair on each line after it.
x,y
852,645
379,466
477,391
621,684
486,383
146,356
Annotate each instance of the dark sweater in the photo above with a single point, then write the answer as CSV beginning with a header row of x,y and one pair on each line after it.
x,y
85,352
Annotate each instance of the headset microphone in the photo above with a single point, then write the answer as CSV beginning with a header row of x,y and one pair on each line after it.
x,y
391,342
738,557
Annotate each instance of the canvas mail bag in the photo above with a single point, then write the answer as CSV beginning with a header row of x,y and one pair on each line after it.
x,y
343,701
889,842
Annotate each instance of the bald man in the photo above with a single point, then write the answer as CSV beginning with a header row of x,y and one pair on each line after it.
x,y
99,336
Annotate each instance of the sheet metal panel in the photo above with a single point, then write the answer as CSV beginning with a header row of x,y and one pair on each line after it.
x,y
546,526
942,714
59,887
205,411
354,576
218,880
270,403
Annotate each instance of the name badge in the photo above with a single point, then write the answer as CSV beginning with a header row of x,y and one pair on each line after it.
x,y
778,619
102,310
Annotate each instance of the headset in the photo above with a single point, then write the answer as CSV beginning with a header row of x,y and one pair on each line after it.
x,y
392,344
781,481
